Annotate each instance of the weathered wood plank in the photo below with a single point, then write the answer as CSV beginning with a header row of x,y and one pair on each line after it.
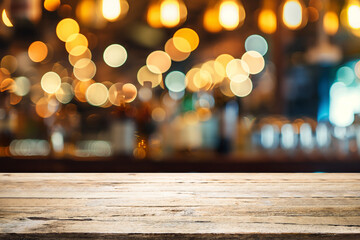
x,y
187,206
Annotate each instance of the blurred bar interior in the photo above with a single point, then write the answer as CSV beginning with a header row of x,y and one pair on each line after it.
x,y
180,79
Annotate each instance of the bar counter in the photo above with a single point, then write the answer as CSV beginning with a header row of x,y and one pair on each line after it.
x,y
180,206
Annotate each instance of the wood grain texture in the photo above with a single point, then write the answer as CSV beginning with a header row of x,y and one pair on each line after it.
x,y
181,205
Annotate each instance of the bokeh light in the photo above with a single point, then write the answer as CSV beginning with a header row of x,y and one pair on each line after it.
x,y
216,69
97,94
292,14
267,21
46,107
65,93
22,86
231,13
211,21
176,95
145,94
36,93
10,63
67,27
111,9
84,69
353,13
15,99
175,81
158,62
255,61
241,89
80,89
153,15
331,23
174,53
115,55
202,79
222,61
51,5
144,75
190,79
88,14
74,58
6,19
170,13
120,93
76,44
256,43
346,75
7,84
37,51
237,70
186,40
50,82
158,114
357,69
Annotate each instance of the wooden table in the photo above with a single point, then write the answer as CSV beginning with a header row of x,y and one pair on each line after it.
x,y
179,206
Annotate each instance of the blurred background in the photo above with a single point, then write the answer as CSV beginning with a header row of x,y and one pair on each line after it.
x,y
180,85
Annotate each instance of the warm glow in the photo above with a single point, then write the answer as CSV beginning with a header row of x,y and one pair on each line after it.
x,y
255,61
97,94
145,75
190,79
50,82
353,14
229,15
129,92
216,70
292,14
65,93
74,58
66,28
111,9
174,53
158,62
211,20
89,13
10,63
267,21
241,89
14,99
76,44
46,107
115,55
22,86
51,5
222,61
331,23
153,16
122,93
145,94
84,69
202,80
37,51
357,69
7,84
170,13
158,114
186,40
237,70
6,20
80,89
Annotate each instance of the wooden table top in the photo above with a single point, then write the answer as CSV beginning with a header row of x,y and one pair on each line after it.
x,y
179,206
